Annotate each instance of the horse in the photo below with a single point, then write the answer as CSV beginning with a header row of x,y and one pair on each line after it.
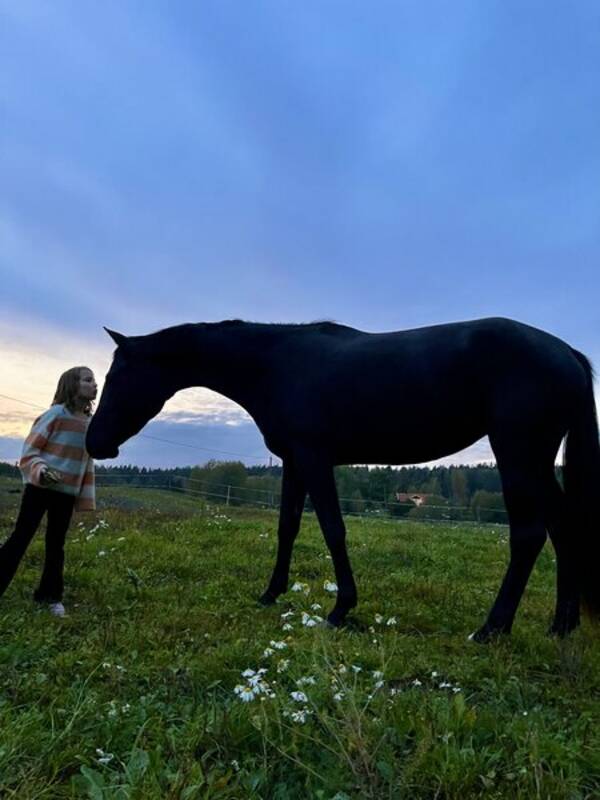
x,y
324,394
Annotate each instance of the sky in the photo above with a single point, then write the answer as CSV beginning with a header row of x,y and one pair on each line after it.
x,y
385,165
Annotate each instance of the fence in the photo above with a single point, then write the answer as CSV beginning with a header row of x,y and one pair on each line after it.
x,y
230,495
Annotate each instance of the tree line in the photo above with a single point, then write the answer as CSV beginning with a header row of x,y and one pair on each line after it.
x,y
455,492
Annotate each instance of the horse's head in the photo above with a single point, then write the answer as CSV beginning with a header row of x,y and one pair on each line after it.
x,y
137,386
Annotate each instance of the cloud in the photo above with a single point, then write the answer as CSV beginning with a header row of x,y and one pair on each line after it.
x,y
33,356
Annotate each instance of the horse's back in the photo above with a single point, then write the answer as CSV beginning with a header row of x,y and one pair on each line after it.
x,y
417,394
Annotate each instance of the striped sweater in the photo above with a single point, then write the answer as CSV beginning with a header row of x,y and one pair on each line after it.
x,y
57,441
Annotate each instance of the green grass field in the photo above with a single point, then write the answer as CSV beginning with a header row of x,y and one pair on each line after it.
x,y
139,692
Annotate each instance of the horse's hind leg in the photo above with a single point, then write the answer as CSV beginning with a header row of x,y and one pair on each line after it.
x,y
526,493
566,617
293,495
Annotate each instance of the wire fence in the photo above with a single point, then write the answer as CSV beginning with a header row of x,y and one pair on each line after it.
x,y
229,495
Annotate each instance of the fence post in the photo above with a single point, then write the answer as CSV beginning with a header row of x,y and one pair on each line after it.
x,y
228,493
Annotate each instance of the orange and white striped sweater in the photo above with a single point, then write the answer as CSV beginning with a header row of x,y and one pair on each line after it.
x,y
57,441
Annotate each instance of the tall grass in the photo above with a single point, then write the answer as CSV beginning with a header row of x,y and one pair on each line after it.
x,y
138,693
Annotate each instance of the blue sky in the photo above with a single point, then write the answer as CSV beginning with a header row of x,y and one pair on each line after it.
x,y
385,165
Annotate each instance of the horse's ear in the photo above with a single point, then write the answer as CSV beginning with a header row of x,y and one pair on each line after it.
x,y
118,338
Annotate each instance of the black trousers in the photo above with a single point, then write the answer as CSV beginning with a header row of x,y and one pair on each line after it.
x,y
34,504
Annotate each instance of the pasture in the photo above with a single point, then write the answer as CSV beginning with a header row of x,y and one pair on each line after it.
x,y
141,693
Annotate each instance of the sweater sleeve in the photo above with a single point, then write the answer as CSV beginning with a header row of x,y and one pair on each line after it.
x,y
86,500
32,460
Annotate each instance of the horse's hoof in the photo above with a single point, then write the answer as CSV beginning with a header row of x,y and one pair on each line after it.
x,y
267,599
335,620
486,635
560,631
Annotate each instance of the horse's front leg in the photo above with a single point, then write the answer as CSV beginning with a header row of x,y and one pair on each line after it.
x,y
320,481
293,495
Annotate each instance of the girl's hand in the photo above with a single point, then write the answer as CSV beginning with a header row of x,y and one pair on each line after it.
x,y
49,477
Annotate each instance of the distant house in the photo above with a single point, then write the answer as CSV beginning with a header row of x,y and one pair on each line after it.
x,y
412,497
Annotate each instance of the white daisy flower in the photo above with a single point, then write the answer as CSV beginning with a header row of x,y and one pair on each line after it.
x,y
308,681
245,693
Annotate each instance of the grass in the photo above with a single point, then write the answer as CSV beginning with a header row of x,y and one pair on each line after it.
x,y
133,695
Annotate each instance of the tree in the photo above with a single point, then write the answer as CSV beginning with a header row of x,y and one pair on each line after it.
x,y
220,481
488,506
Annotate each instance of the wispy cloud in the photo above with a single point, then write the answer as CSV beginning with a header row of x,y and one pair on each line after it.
x,y
33,356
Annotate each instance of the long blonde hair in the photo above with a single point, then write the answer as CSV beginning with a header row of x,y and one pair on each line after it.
x,y
67,391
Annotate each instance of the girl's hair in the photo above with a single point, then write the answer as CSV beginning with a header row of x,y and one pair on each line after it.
x,y
67,390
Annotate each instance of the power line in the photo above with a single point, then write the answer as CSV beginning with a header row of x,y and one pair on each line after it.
x,y
158,438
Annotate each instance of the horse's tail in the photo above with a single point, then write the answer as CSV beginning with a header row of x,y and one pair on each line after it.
x,y
581,474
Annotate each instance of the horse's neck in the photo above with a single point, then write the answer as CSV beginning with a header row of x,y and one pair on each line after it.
x,y
229,359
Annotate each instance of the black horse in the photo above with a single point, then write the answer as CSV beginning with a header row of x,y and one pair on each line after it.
x,y
324,394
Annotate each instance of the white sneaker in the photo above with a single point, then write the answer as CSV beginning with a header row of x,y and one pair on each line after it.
x,y
57,609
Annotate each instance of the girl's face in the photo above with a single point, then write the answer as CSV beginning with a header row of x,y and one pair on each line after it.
x,y
88,388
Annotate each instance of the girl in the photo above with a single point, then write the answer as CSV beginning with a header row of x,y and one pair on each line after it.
x,y
59,477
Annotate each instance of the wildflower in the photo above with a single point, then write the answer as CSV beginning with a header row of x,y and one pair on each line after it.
x,y
301,587
309,621
287,614
101,552
391,621
445,685
245,693
300,716
125,708
417,682
338,696
268,651
278,645
256,679
103,758
287,627
434,674
299,697
248,673
377,674
235,764
283,664
378,684
356,668
329,586
316,607
378,619
309,680
342,669
456,689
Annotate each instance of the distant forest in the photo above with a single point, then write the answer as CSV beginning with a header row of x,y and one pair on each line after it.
x,y
461,492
